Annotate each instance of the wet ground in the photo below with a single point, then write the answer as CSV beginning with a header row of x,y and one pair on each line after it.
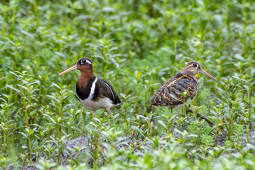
x,y
80,146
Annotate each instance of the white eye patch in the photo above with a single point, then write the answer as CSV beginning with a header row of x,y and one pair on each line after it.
x,y
88,62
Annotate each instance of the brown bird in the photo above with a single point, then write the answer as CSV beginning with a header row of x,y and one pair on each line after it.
x,y
92,92
185,81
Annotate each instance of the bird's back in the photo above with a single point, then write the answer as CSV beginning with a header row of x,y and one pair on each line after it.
x,y
169,92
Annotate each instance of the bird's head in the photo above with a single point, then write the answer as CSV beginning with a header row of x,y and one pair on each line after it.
x,y
83,64
194,68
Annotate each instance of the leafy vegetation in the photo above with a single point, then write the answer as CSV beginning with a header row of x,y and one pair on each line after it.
x,y
135,45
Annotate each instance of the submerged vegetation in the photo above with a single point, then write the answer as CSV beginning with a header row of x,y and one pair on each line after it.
x,y
135,45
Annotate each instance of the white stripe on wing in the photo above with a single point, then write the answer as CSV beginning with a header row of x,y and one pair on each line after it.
x,y
111,90
92,90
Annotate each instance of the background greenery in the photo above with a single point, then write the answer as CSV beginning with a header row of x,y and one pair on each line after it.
x,y
135,45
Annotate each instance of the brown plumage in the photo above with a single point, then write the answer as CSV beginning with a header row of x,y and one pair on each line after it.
x,y
92,92
185,81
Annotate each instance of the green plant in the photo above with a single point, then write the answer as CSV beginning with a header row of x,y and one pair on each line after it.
x,y
136,46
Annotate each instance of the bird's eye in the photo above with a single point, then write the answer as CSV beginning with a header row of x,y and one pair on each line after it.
x,y
83,62
194,65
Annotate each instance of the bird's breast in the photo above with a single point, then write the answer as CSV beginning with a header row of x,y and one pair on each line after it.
x,y
91,96
89,91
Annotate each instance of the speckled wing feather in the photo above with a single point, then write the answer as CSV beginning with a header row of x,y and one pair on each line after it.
x,y
170,91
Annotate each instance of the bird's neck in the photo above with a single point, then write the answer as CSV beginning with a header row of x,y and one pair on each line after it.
x,y
85,76
190,74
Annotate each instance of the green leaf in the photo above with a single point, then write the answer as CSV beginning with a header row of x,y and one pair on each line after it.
x,y
137,130
52,120
162,123
108,9
10,86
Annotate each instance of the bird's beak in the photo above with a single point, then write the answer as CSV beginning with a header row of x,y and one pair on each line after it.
x,y
207,74
70,69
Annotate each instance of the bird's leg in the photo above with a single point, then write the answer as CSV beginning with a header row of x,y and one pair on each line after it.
x,y
176,113
172,113
151,111
171,110
110,113
201,116
93,113
175,117
152,118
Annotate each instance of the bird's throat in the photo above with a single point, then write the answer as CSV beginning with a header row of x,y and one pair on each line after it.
x,y
85,76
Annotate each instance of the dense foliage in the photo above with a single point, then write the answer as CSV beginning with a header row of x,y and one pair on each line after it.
x,y
135,45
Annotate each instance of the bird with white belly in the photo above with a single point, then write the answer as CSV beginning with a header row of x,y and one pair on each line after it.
x,y
93,93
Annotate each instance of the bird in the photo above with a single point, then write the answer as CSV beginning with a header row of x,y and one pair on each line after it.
x,y
93,92
184,81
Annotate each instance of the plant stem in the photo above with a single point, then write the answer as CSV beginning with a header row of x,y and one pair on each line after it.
x,y
98,147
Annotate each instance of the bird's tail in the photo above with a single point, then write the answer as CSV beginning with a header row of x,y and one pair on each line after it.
x,y
117,106
153,107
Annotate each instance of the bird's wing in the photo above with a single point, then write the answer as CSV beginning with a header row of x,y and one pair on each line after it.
x,y
106,90
169,92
